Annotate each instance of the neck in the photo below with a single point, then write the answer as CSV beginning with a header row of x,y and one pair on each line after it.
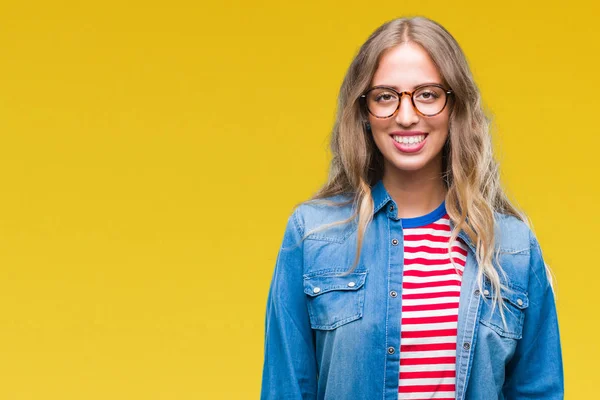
x,y
416,193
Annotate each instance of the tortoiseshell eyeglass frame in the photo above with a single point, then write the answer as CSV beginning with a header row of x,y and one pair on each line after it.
x,y
363,99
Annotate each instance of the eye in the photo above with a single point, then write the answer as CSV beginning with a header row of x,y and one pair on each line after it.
x,y
385,97
427,95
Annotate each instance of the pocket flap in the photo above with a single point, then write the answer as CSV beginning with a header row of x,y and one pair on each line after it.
x,y
319,284
515,296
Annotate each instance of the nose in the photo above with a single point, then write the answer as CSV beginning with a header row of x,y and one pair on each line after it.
x,y
406,115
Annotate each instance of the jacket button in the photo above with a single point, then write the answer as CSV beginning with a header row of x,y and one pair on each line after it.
x,y
393,293
351,284
395,242
391,350
466,345
316,290
486,292
520,302
391,208
476,292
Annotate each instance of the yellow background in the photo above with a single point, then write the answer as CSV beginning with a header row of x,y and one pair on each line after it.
x,y
150,153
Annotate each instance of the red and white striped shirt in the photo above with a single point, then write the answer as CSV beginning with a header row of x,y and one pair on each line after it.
x,y
430,297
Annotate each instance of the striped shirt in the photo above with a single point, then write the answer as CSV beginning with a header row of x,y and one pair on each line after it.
x,y
430,297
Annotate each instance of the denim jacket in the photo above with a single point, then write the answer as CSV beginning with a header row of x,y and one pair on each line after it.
x,y
341,342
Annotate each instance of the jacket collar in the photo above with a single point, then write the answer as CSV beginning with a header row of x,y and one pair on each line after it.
x,y
463,236
381,197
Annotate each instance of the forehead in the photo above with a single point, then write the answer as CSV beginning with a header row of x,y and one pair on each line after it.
x,y
405,66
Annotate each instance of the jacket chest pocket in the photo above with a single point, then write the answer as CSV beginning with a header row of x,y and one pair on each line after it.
x,y
334,300
515,303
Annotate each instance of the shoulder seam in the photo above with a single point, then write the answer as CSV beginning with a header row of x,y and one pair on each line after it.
x,y
297,224
533,242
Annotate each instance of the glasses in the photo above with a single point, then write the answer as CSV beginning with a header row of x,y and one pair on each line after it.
x,y
428,100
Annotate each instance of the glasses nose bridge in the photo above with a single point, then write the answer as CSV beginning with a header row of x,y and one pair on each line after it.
x,y
410,99
400,94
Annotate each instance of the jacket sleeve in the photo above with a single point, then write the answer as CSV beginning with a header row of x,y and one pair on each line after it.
x,y
536,369
289,370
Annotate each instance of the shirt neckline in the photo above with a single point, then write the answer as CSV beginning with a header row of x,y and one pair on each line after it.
x,y
428,218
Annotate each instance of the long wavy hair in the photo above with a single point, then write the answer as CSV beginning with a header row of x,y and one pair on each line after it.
x,y
469,169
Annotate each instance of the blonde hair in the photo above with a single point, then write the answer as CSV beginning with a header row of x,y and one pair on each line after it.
x,y
469,169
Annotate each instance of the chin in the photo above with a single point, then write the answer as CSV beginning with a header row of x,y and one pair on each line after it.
x,y
409,163
409,166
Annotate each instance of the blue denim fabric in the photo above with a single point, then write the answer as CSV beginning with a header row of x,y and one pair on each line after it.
x,y
326,339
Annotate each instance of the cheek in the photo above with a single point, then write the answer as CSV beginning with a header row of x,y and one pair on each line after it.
x,y
379,125
440,124
444,119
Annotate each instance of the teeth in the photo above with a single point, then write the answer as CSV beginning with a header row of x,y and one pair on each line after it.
x,y
409,139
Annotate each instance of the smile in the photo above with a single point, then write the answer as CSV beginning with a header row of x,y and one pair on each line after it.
x,y
409,139
409,144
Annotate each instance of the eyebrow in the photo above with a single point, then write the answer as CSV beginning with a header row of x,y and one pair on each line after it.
x,y
420,84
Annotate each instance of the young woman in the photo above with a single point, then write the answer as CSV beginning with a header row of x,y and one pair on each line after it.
x,y
410,275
